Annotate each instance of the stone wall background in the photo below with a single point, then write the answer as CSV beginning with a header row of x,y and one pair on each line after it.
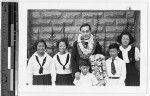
x,y
52,25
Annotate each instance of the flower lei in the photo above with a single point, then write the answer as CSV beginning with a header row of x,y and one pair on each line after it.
x,y
99,68
85,52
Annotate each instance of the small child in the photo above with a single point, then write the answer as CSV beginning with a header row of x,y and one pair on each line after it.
x,y
116,68
86,78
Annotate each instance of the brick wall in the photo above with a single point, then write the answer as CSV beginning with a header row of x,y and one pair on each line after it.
x,y
51,25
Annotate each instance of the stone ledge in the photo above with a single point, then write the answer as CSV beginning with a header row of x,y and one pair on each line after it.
x,y
104,21
88,15
51,14
72,29
35,15
55,22
71,15
79,22
114,28
41,29
121,21
130,14
114,14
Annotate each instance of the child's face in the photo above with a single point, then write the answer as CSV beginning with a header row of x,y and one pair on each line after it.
x,y
125,40
113,52
62,47
84,69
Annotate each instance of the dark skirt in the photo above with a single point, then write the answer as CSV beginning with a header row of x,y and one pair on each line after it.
x,y
64,79
42,79
132,76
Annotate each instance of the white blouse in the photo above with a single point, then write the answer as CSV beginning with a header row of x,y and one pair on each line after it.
x,y
125,53
33,66
58,68
86,80
120,67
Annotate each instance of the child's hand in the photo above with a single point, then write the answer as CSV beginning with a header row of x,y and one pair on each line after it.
x,y
77,75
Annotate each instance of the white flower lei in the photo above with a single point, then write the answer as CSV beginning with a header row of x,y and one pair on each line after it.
x,y
90,44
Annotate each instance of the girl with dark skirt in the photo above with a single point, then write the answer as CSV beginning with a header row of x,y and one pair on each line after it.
x,y
61,60
39,66
130,54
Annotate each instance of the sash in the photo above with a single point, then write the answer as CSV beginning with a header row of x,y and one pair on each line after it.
x,y
67,60
41,67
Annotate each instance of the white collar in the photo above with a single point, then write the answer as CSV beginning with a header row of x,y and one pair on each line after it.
x,y
115,58
36,54
84,75
127,49
63,54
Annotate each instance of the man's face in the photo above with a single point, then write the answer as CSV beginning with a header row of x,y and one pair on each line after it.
x,y
85,32
113,52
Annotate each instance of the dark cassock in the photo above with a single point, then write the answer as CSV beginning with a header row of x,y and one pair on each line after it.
x,y
83,49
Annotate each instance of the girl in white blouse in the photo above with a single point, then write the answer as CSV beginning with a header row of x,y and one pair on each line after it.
x,y
130,54
39,67
63,74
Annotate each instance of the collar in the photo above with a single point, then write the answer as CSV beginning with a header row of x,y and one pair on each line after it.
x,y
63,54
84,75
45,54
127,49
115,58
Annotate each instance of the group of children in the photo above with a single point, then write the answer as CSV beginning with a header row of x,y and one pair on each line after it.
x,y
113,79
61,72
70,69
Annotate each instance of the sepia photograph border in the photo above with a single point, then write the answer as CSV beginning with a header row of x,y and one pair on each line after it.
x,y
25,90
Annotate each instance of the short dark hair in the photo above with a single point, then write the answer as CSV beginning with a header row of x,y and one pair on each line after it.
x,y
84,62
38,41
65,40
85,24
114,45
125,33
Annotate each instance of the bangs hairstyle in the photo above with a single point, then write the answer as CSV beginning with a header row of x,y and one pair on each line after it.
x,y
114,45
84,62
65,40
38,41
85,24
125,33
